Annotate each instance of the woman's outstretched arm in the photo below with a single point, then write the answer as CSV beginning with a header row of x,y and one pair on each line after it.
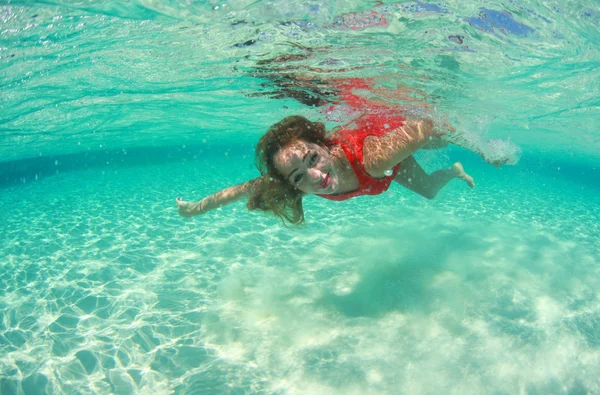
x,y
216,200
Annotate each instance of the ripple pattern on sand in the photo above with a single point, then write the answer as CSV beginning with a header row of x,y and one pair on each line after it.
x,y
105,289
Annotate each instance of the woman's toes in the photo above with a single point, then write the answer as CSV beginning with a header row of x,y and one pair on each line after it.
x,y
459,172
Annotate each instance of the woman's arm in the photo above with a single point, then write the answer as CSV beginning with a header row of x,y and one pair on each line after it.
x,y
383,153
216,200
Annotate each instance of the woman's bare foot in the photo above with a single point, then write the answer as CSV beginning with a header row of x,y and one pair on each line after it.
x,y
459,172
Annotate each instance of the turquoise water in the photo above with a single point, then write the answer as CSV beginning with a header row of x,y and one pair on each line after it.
x,y
110,111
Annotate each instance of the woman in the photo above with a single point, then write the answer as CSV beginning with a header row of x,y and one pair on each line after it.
x,y
296,158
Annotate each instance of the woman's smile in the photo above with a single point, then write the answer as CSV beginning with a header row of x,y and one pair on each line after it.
x,y
326,181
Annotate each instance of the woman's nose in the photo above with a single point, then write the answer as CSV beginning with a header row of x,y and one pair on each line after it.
x,y
314,173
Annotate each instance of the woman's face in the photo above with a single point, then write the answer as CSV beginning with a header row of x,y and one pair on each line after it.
x,y
308,166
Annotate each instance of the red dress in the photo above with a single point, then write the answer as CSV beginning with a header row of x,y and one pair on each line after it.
x,y
352,140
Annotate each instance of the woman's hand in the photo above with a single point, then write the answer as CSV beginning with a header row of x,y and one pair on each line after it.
x,y
441,127
188,209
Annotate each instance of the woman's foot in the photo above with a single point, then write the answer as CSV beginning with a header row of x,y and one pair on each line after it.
x,y
459,172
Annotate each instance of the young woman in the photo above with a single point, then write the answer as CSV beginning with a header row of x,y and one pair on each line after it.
x,y
296,158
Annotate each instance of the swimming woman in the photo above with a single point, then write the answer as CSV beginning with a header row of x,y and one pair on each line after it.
x,y
296,158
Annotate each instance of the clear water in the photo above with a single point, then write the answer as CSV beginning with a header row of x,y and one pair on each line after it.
x,y
111,110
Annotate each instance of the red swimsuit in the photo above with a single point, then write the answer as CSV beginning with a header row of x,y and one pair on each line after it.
x,y
352,140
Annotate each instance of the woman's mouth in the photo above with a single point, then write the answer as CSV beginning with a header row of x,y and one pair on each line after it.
x,y
326,181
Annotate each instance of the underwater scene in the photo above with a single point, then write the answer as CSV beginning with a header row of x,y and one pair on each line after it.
x,y
112,110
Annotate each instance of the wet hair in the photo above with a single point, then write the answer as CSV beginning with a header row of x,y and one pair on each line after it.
x,y
274,193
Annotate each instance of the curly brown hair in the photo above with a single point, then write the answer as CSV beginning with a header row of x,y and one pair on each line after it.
x,y
274,193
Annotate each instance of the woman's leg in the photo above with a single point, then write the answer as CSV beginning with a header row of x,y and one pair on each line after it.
x,y
412,176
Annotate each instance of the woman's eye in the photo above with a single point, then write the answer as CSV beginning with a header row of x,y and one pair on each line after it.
x,y
313,158
298,178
